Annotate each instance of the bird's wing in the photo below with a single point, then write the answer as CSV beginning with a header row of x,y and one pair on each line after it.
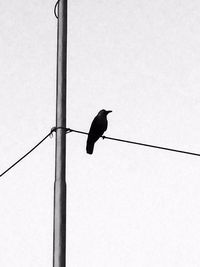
x,y
98,127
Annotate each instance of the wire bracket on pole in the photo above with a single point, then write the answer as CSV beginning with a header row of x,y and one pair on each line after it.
x,y
55,8
54,129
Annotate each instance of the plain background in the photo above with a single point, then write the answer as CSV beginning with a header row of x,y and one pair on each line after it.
x,y
127,205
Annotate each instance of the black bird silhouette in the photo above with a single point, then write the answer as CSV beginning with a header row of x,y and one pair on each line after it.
x,y
98,127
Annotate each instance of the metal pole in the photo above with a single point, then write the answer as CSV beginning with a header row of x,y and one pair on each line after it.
x,y
59,234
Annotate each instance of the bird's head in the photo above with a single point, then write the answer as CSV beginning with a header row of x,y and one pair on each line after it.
x,y
104,112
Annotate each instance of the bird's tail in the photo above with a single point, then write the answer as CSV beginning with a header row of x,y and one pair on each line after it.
x,y
90,147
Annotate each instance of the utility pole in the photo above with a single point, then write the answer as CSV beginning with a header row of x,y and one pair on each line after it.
x,y
59,231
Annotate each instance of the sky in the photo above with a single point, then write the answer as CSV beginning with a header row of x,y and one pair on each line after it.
x,y
127,205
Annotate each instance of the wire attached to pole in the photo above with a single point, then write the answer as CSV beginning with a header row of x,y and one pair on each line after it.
x,y
140,144
69,130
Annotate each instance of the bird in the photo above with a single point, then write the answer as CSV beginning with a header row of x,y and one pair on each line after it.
x,y
98,127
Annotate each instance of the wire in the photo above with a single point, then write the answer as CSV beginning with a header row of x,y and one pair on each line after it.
x,y
137,143
27,153
55,7
69,130
49,134
153,146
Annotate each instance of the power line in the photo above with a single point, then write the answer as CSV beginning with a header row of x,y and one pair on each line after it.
x,y
138,143
50,133
69,130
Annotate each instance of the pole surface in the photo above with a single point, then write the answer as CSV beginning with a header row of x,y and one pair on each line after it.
x,y
59,231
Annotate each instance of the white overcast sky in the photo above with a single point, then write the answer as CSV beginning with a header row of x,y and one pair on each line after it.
x,y
127,205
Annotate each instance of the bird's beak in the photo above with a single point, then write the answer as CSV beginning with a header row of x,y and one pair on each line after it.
x,y
108,111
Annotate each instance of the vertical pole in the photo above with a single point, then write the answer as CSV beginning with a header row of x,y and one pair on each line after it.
x,y
59,231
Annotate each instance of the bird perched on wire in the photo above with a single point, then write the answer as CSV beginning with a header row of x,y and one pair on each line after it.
x,y
98,127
